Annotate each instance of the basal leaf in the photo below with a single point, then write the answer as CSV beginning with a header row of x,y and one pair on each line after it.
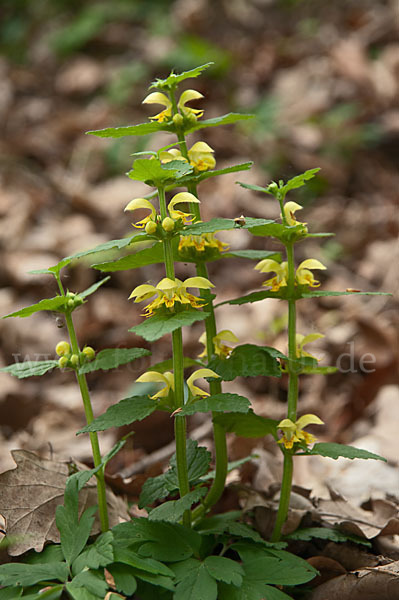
x,y
25,575
197,585
332,450
90,581
13,593
228,119
131,558
247,425
111,358
153,489
30,368
248,360
220,224
93,288
176,78
218,403
101,553
325,533
147,256
53,304
224,569
125,582
128,410
198,459
162,323
140,129
74,535
173,510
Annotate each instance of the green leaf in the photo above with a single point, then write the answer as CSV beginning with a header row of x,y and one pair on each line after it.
x,y
284,233
322,293
152,172
101,553
153,489
217,403
53,593
162,323
111,358
131,558
248,360
197,178
154,580
25,575
93,288
90,581
140,129
14,593
253,297
74,535
147,256
325,533
224,569
252,254
234,464
128,410
254,188
332,450
228,119
80,593
125,582
176,78
298,181
30,368
173,510
247,425
198,585
220,224
48,304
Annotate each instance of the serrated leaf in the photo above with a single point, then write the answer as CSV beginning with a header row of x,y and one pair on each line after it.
x,y
197,178
173,510
93,288
252,297
224,569
198,585
131,558
282,232
140,129
128,410
153,489
298,181
101,553
162,323
147,256
111,358
220,224
154,580
228,119
53,304
90,581
252,254
254,188
74,535
198,459
30,368
332,450
325,533
247,425
152,172
125,582
322,293
80,593
25,575
248,360
218,403
176,78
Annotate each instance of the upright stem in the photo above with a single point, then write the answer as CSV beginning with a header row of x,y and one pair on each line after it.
x,y
286,484
178,372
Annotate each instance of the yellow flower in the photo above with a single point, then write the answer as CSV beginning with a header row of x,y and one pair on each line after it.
x,y
201,157
196,391
187,96
166,156
202,242
281,270
142,203
167,379
159,98
304,275
302,340
178,199
289,209
293,432
220,349
170,291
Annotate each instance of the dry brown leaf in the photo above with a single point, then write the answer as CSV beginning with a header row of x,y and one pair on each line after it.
x,y
29,495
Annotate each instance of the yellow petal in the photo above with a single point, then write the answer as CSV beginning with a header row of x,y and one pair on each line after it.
x,y
268,264
311,263
140,203
157,98
143,292
187,96
154,377
198,282
196,391
183,197
311,337
226,335
309,419
287,424
200,147
168,284
289,209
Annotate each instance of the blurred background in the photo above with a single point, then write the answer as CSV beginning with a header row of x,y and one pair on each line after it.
x,y
321,78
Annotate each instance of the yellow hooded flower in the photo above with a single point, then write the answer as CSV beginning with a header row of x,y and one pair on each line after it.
x,y
281,270
178,199
186,111
169,291
293,432
167,379
159,98
201,157
196,391
289,209
221,350
304,275
302,340
201,242
166,156
142,203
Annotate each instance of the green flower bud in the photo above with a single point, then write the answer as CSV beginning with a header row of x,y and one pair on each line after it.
x,y
150,227
273,188
63,362
71,303
178,120
74,360
63,348
168,224
89,352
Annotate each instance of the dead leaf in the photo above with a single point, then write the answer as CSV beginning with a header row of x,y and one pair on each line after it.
x,y
29,495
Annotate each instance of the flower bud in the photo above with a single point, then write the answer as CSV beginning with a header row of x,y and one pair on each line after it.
x,y
74,360
150,228
178,120
63,348
168,224
273,188
63,362
89,352
71,303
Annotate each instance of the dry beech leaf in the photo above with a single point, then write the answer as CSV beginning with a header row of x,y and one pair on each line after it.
x,y
372,583
29,495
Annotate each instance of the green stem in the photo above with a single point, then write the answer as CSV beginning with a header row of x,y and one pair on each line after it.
x,y
178,373
95,446
292,396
